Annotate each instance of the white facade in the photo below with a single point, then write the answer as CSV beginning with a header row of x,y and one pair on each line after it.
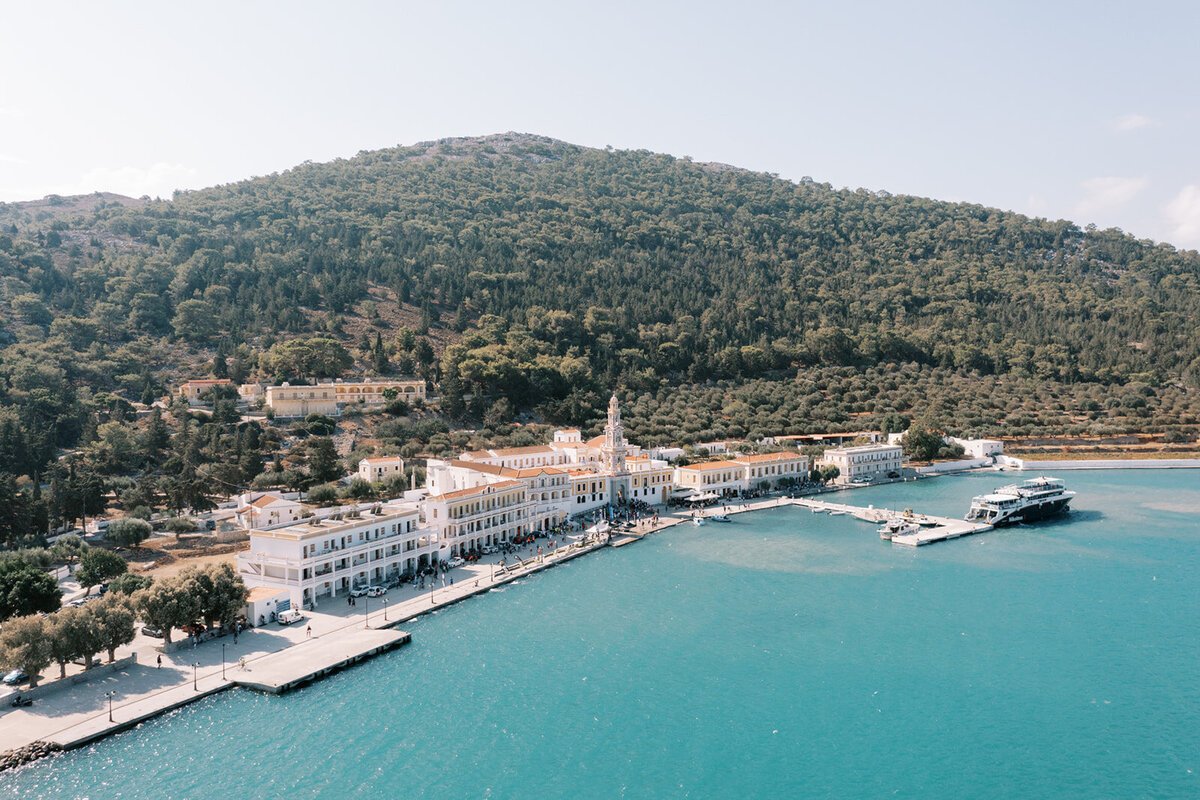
x,y
266,511
320,558
979,448
871,462
481,516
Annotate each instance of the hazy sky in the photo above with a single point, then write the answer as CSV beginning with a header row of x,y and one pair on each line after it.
x,y
1087,111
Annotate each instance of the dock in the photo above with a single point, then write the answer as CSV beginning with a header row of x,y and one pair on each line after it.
x,y
933,528
306,662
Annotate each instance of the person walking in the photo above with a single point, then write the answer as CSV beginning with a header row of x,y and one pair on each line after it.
x,y
159,661
308,632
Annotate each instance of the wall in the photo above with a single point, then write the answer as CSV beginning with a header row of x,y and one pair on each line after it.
x,y
1116,463
943,467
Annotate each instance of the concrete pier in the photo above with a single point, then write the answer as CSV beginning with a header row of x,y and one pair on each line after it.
x,y
933,528
304,663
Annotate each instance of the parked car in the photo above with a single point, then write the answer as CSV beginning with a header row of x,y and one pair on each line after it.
x,y
376,591
156,633
290,616
455,562
15,677
358,591
489,549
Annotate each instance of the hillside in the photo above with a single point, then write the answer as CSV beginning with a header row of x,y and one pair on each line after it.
x,y
519,267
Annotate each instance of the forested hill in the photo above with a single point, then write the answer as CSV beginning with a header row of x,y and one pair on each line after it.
x,y
566,267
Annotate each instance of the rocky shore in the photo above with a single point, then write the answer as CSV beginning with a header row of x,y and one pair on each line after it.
x,y
12,759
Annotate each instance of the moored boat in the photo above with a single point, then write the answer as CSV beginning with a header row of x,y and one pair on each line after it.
x,y
1028,501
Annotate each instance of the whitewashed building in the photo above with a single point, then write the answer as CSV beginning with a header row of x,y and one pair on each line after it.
x,y
480,516
317,559
265,510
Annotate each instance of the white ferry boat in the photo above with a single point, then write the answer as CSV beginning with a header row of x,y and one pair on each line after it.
x,y
1027,501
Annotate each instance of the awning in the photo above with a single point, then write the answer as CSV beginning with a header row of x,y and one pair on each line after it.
x,y
600,527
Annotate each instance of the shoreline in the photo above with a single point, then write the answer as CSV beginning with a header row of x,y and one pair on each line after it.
x,y
348,653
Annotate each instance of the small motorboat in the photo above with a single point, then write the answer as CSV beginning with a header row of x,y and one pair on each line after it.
x,y
698,520
721,518
897,527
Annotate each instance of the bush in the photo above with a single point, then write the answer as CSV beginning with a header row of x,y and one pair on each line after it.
x,y
360,489
324,494
182,525
139,512
128,532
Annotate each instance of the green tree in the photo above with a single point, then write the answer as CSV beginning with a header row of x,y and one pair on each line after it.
x,y
195,320
24,645
112,619
168,604
68,636
219,591
129,583
323,461
97,566
360,489
68,547
303,358
128,532
25,589
322,495
921,444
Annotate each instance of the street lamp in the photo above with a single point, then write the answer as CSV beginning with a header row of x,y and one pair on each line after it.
x,y
366,610
222,660
109,695
385,609
195,679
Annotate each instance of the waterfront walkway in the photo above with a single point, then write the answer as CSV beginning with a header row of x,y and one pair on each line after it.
x,y
275,657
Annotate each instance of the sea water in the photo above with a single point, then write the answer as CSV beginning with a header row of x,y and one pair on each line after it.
x,y
788,654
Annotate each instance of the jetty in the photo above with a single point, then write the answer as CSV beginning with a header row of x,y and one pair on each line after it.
x,y
933,528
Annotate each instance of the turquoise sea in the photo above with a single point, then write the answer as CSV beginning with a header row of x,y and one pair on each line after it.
x,y
786,655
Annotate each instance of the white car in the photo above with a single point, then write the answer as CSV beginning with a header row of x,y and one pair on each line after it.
x,y
376,591
489,549
358,591
290,616
455,562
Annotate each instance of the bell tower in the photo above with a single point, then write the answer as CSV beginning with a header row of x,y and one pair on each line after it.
x,y
613,449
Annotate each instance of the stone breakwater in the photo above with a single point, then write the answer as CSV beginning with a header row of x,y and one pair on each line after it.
x,y
12,759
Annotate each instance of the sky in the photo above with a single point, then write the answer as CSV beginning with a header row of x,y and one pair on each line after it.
x,y
1080,111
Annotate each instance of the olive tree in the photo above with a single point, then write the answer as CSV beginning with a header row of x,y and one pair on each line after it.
x,y
128,532
24,645
112,620
66,631
97,566
169,603
220,591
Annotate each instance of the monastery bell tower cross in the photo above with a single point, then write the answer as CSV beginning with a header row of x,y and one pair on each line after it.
x,y
614,440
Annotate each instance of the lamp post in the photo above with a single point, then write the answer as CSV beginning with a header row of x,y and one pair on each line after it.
x,y
385,609
109,695
222,660
366,610
195,678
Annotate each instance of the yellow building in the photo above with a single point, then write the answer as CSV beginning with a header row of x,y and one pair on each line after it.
x,y
331,398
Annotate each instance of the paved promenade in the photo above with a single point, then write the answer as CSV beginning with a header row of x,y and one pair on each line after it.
x,y
273,656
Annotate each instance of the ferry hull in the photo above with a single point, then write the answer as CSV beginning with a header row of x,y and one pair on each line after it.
x,y
1033,513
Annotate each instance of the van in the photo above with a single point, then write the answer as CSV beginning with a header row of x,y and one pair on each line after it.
x,y
290,616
